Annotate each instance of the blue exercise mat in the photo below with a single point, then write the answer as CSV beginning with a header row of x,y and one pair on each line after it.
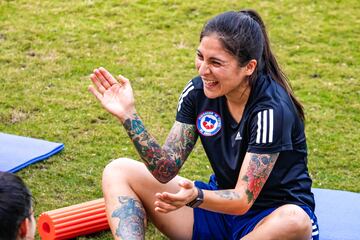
x,y
17,152
338,214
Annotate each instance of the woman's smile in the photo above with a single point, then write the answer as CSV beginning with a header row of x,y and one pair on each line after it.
x,y
210,84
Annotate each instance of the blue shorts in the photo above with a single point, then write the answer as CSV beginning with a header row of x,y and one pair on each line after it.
x,y
211,225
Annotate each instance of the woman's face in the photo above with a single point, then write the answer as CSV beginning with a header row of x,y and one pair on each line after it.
x,y
219,70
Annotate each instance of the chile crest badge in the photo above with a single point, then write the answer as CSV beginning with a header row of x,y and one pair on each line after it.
x,y
208,123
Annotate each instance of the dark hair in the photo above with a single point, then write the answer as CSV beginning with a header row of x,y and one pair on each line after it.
x,y
15,205
243,35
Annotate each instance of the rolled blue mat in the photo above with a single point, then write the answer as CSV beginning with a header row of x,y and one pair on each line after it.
x,y
17,152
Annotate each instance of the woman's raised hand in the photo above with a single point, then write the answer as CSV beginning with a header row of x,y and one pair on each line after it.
x,y
115,96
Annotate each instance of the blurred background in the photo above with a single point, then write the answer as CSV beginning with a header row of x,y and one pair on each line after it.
x,y
49,48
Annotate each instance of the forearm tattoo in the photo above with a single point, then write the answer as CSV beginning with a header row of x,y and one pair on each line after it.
x,y
259,169
163,162
228,194
132,215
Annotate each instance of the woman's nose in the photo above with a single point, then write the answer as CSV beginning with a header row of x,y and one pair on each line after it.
x,y
203,68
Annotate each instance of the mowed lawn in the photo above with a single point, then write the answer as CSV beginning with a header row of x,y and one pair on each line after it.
x,y
48,48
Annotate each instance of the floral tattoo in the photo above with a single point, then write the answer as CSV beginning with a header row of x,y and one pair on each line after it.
x,y
131,214
259,169
163,162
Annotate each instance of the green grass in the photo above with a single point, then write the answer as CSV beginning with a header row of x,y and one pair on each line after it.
x,y
49,48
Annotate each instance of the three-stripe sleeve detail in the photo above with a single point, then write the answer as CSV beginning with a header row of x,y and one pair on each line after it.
x,y
185,92
265,126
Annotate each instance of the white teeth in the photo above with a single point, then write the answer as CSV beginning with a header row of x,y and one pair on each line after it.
x,y
210,82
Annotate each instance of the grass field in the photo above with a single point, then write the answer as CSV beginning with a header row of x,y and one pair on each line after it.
x,y
48,48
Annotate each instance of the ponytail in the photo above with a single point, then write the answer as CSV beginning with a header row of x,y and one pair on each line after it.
x,y
270,64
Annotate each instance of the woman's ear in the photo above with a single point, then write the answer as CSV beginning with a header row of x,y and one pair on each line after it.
x,y
23,229
250,67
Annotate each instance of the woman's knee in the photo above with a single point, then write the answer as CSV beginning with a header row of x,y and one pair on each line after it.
x,y
118,169
298,223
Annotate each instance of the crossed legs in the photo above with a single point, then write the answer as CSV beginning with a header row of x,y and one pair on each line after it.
x,y
129,192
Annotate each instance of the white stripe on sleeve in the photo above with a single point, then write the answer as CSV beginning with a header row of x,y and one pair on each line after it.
x,y
271,125
258,128
264,133
184,90
190,83
183,96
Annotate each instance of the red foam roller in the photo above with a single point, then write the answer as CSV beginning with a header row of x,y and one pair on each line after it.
x,y
73,221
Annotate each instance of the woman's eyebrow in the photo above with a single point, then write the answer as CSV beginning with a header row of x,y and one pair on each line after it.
x,y
217,59
211,58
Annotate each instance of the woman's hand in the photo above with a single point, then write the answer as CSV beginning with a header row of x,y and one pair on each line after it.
x,y
115,96
167,202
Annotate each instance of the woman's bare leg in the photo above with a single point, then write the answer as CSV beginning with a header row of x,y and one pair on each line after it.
x,y
287,222
129,191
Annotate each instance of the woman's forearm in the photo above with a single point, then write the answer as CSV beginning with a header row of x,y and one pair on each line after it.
x,y
163,162
230,201
159,163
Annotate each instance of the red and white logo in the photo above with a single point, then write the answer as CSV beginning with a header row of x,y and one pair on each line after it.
x,y
208,123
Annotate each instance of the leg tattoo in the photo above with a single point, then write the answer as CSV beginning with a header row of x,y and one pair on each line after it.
x,y
132,215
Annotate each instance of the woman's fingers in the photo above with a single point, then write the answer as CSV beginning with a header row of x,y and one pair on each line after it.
x,y
107,76
157,209
122,80
104,82
97,83
169,197
172,199
164,207
186,184
163,197
95,92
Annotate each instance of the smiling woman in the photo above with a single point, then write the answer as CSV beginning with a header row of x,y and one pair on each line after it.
x,y
220,70
251,127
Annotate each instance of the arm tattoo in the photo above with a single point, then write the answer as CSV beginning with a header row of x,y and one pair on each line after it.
x,y
131,214
258,171
163,162
228,194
